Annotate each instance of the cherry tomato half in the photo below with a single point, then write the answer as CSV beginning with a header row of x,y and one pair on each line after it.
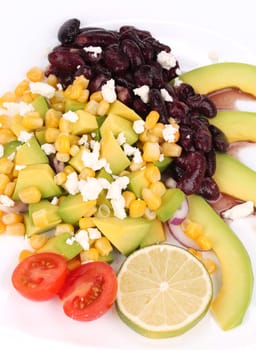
x,y
89,291
40,276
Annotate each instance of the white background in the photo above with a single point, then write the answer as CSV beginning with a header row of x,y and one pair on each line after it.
x,y
28,31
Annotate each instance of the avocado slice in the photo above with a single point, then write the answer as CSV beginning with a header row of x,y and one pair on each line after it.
x,y
31,153
11,147
118,124
236,125
58,244
232,301
73,105
124,111
218,76
41,105
235,178
137,181
163,164
72,208
85,124
126,234
171,201
39,175
155,235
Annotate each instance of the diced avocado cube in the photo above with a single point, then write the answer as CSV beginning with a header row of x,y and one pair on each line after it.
x,y
31,153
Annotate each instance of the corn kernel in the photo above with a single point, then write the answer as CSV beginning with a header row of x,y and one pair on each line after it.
x,y
151,151
12,218
149,214
85,223
51,134
6,166
74,149
16,229
152,173
21,88
4,180
62,157
129,196
38,241
96,96
92,107
2,227
85,173
9,189
81,81
27,97
196,253
157,130
52,80
73,263
60,178
203,242
35,74
30,194
32,121
103,108
151,119
192,229
91,254
25,253
40,218
210,265
137,208
6,135
83,98
170,149
8,97
4,121
158,188
153,201
65,126
103,246
63,228
52,118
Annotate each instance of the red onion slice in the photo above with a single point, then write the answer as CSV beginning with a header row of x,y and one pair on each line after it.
x,y
179,235
181,214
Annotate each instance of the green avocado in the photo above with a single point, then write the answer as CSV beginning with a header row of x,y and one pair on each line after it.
x,y
31,153
236,125
86,123
11,147
232,301
118,125
41,105
235,178
218,76
125,234
137,181
171,201
58,244
155,235
72,105
124,111
39,175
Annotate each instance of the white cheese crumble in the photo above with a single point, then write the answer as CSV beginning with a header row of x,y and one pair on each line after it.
x,y
70,116
169,133
91,187
115,195
55,201
165,95
25,136
42,89
166,59
48,148
134,152
83,141
108,91
177,82
1,151
71,185
6,201
92,159
121,138
14,108
95,50
82,238
11,156
139,126
93,233
239,211
142,92
19,167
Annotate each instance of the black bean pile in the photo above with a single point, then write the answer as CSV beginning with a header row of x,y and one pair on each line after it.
x,y
129,56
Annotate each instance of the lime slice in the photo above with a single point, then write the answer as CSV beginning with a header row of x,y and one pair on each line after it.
x,y
163,291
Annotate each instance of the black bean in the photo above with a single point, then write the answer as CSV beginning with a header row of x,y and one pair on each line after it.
x,y
142,34
84,70
183,91
211,163
115,59
124,95
97,82
202,104
68,31
186,138
179,111
157,103
96,37
140,107
157,45
133,52
157,72
202,134
220,142
65,61
209,189
143,76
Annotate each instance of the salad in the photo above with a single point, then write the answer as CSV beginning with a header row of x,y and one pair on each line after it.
x,y
106,148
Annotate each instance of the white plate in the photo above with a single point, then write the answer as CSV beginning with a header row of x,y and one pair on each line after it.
x,y
44,324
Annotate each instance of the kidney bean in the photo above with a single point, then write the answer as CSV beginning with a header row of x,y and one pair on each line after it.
x,y
124,95
142,34
65,61
84,70
143,76
68,31
157,103
186,138
194,173
157,45
170,74
157,73
209,189
133,52
147,50
95,37
125,79
115,60
202,135
211,163
184,91
96,83
202,104
179,111
220,142
140,107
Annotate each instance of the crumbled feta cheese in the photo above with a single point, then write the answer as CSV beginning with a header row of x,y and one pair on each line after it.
x,y
20,167
142,92
14,108
83,141
6,201
95,50
25,136
83,239
11,156
70,240
71,185
94,233
42,89
108,91
161,157
178,71
166,96
1,151
139,126
121,138
166,59
133,151
137,157
59,87
92,159
48,148
91,187
177,82
116,187
55,201
70,116
169,133
239,211
118,206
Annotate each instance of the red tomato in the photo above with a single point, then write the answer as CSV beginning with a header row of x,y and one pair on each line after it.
x,y
40,276
89,291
